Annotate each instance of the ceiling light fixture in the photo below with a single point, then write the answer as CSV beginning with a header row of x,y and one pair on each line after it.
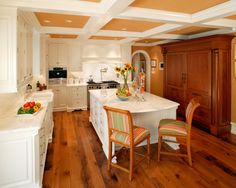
x,y
124,29
46,21
68,21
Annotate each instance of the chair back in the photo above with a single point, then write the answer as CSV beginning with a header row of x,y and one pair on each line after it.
x,y
119,121
192,105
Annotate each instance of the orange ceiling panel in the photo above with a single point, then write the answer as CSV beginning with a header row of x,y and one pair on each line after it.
x,y
94,1
106,38
148,40
61,20
184,6
191,30
130,25
63,36
233,17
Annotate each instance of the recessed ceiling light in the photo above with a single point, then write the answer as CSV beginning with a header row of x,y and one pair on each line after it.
x,y
68,21
46,21
146,41
124,29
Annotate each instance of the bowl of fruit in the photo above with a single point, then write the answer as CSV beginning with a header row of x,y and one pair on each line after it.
x,y
30,108
123,94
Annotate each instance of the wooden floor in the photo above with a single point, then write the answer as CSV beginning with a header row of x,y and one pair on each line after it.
x,y
75,160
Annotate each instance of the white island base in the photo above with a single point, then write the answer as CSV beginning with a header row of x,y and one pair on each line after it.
x,y
146,113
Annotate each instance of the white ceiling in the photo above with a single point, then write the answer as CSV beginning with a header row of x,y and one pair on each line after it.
x,y
103,12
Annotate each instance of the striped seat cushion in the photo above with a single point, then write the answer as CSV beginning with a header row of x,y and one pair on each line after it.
x,y
139,134
172,127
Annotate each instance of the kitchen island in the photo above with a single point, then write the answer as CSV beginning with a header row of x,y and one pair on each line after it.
x,y
145,113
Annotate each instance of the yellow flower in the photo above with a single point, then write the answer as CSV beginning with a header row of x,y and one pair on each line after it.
x,y
117,69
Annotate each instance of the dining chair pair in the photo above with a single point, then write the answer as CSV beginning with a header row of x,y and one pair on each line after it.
x,y
123,132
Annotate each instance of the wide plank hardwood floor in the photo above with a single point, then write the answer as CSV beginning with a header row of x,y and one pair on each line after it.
x,y
75,159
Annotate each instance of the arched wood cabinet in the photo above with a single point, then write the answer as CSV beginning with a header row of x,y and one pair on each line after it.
x,y
201,67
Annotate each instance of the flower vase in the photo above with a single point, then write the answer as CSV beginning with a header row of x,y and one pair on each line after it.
x,y
125,86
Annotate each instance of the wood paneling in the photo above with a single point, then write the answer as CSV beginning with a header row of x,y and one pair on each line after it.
x,y
61,20
75,159
232,17
130,25
63,36
191,30
207,76
106,38
148,40
184,6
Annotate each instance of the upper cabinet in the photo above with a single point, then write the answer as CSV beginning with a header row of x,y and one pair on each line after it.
x,y
74,62
15,50
8,50
24,49
58,55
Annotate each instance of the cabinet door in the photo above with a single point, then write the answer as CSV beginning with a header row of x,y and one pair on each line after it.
x,y
74,58
199,83
52,55
20,50
62,55
62,102
175,79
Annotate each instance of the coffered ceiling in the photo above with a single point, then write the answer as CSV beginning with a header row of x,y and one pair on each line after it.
x,y
141,22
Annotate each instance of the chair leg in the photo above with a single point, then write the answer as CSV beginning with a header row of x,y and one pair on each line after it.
x,y
159,147
131,165
189,153
148,149
109,155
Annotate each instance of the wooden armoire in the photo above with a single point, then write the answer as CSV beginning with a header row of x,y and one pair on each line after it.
x,y
201,68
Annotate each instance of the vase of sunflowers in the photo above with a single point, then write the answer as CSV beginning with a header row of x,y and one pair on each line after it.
x,y
124,72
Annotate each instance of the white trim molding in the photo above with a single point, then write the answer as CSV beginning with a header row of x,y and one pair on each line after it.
x,y
233,127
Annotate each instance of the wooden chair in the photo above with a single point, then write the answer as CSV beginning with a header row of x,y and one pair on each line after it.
x,y
178,129
121,131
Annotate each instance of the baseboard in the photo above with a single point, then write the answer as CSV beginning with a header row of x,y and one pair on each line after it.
x,y
233,127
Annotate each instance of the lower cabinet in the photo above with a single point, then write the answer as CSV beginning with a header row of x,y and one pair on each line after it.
x,y
23,154
60,99
77,98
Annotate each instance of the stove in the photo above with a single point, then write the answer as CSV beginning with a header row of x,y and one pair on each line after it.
x,y
110,84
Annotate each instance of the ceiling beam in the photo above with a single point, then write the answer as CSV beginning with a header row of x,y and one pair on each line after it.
x,y
57,6
96,23
155,15
218,11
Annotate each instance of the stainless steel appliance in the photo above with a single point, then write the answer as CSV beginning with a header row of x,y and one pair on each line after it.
x,y
100,85
57,75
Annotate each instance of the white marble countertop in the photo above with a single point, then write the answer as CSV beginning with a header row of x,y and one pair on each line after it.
x,y
152,102
13,122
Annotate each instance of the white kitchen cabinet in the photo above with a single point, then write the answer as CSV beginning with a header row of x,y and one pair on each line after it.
x,y
23,146
77,98
74,63
8,50
15,50
60,98
24,49
57,55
